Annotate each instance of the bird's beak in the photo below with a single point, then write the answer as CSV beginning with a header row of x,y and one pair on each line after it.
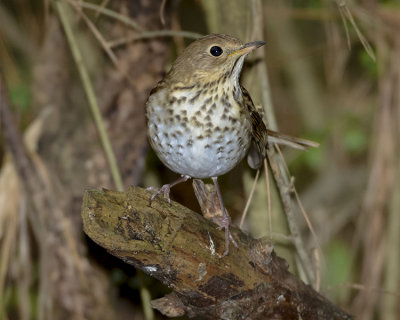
x,y
248,47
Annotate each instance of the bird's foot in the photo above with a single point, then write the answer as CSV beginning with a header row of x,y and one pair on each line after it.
x,y
165,189
225,224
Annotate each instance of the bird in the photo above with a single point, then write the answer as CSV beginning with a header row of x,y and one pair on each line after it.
x,y
201,122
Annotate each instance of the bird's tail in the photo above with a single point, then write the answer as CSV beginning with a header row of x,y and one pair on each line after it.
x,y
293,142
258,150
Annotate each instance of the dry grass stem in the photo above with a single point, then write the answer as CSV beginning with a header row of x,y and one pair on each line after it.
x,y
269,211
111,13
162,9
103,5
248,202
153,34
346,13
94,107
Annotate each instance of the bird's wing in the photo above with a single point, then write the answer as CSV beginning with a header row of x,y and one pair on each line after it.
x,y
262,135
259,131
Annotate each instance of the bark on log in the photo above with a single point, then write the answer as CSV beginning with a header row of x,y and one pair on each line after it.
x,y
184,251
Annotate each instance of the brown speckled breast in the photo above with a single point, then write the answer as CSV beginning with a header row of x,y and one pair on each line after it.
x,y
197,132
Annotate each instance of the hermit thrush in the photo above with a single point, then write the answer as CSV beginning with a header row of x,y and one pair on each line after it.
x,y
202,122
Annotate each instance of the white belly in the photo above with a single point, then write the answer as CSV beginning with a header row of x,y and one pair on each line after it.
x,y
202,142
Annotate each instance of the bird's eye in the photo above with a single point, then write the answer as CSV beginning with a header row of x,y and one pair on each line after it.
x,y
216,51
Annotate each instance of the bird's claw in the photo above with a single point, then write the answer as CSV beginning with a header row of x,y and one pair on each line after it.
x,y
225,224
165,189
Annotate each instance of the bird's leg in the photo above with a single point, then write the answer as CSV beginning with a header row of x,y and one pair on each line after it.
x,y
226,220
166,188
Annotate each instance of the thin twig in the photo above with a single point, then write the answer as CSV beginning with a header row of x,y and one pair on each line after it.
x,y
87,84
105,45
162,9
303,211
345,12
108,12
283,183
130,22
97,34
102,5
246,208
307,219
262,69
269,211
277,165
317,268
154,34
63,13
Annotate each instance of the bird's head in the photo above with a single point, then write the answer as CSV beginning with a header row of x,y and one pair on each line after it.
x,y
212,57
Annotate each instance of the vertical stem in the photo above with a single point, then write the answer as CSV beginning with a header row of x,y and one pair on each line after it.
x,y
277,164
63,13
87,84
